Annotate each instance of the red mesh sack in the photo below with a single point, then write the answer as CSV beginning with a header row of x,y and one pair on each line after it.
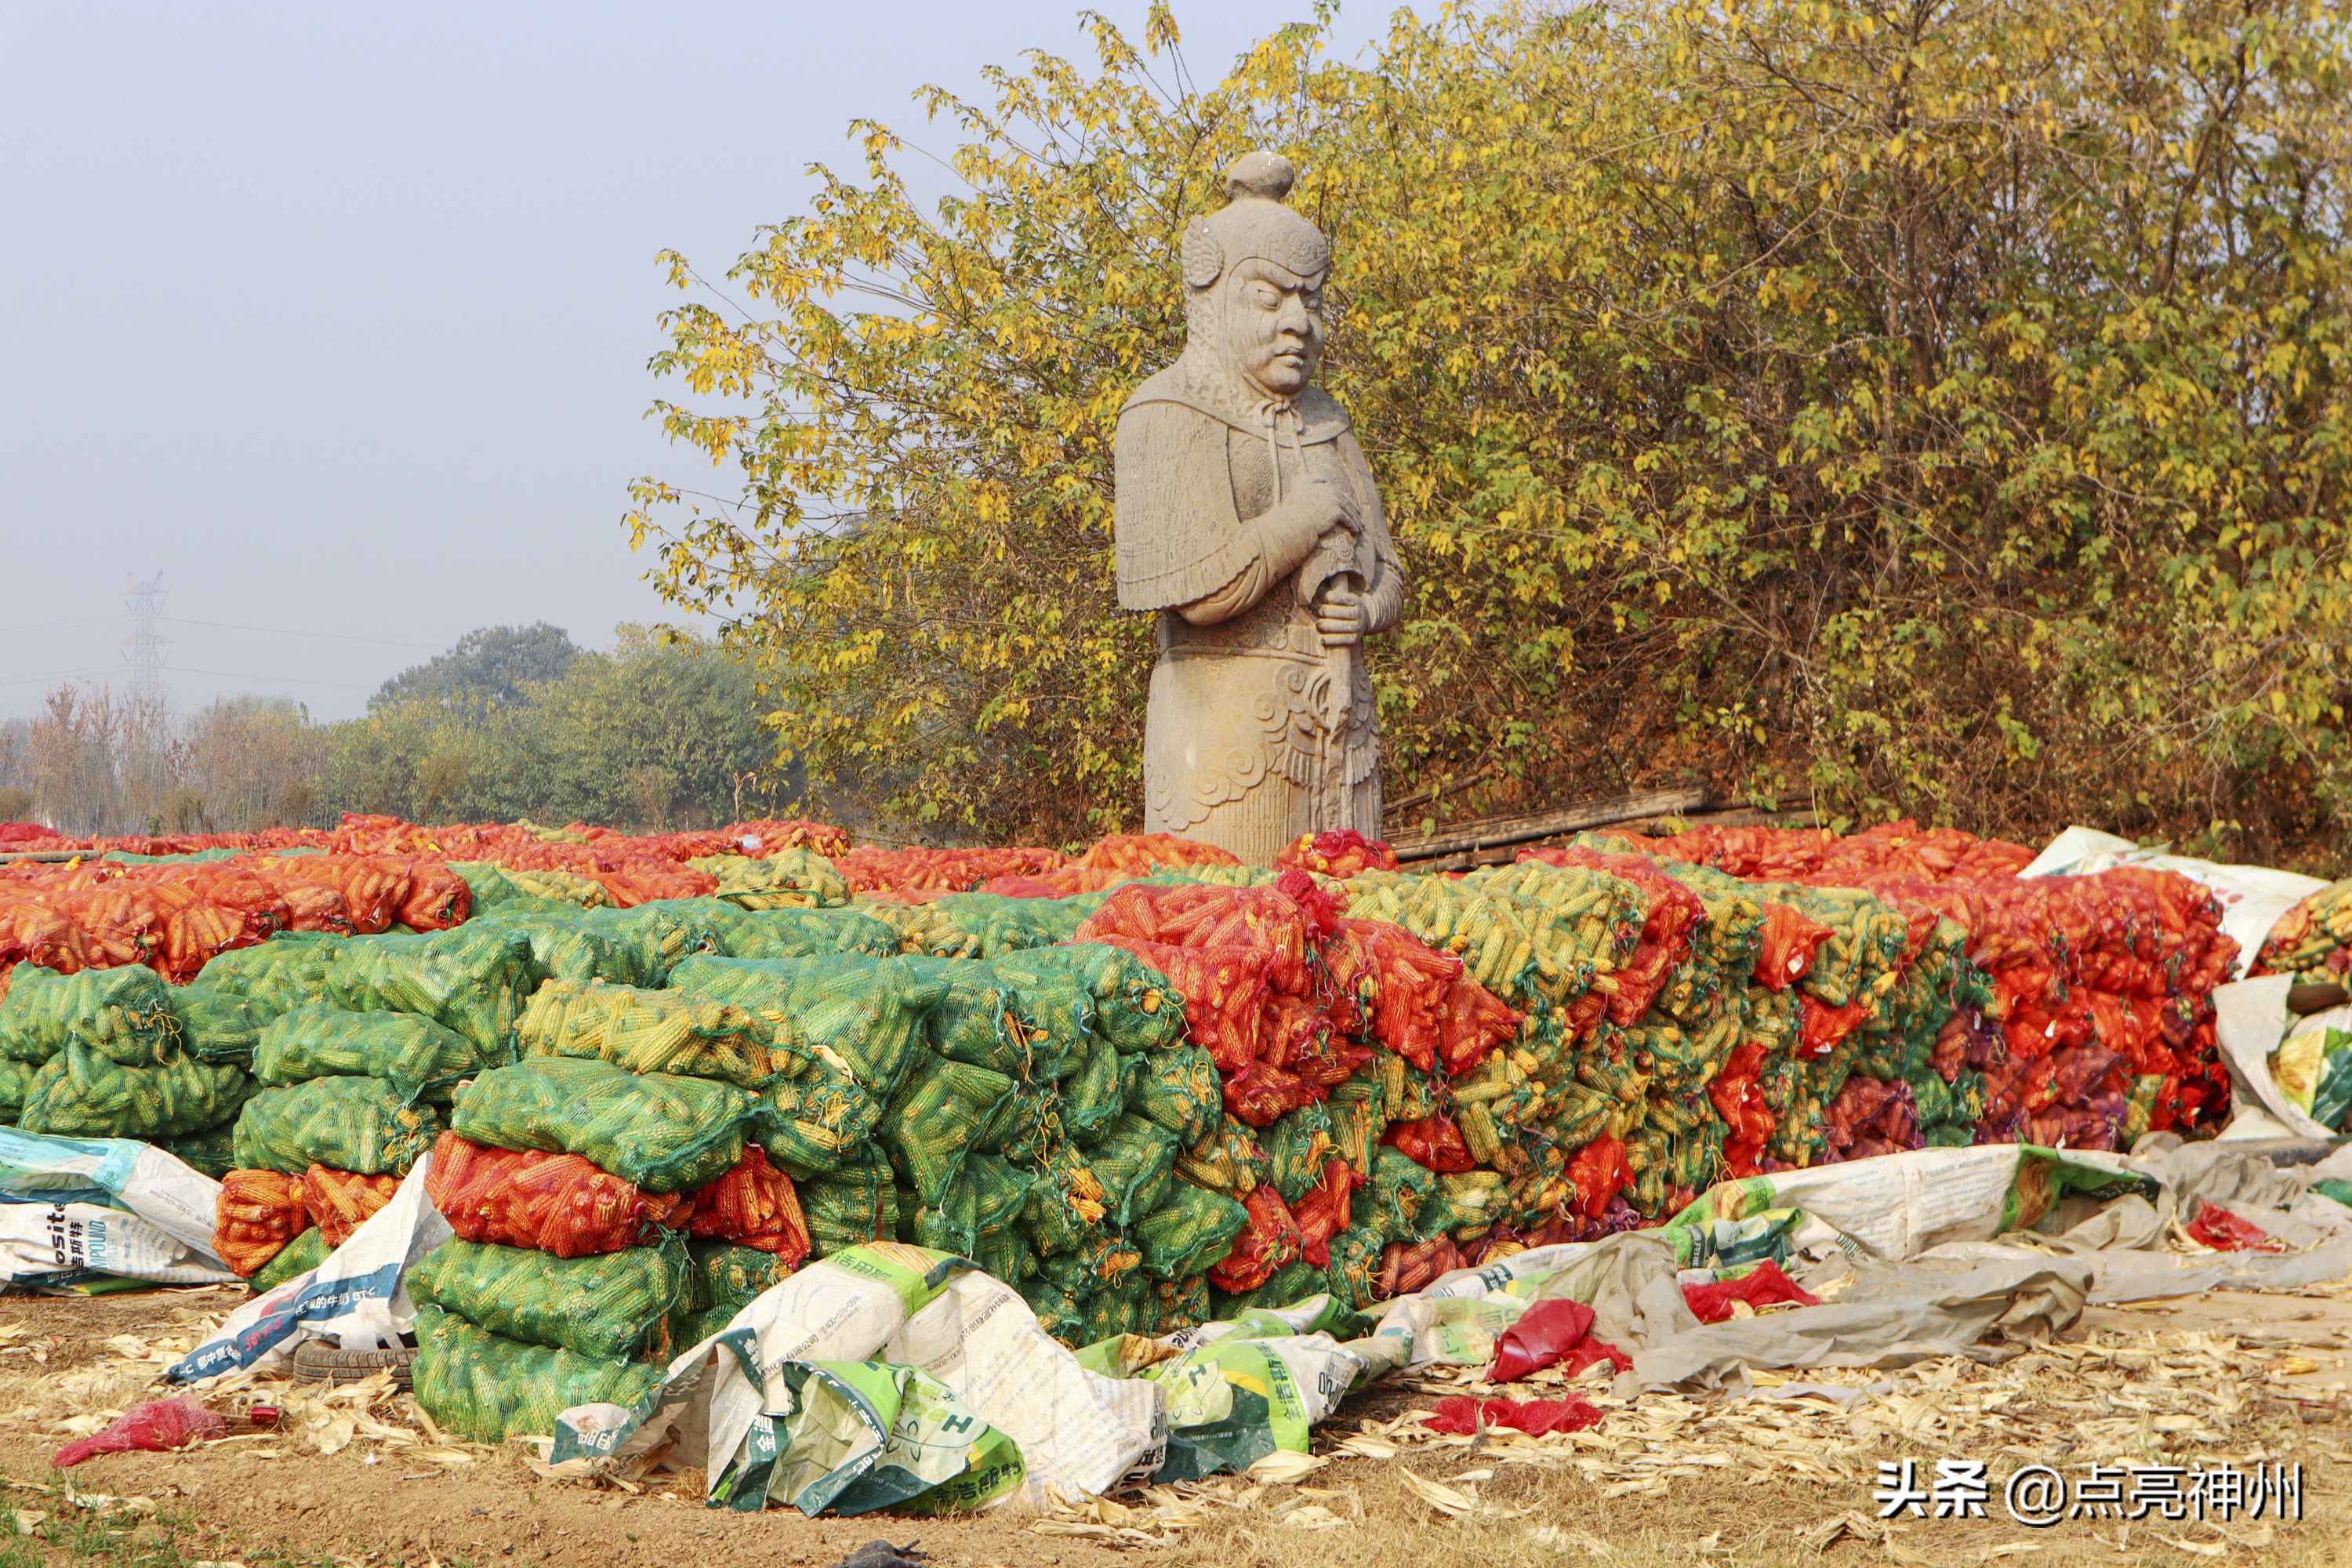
x,y
1343,852
1262,1094
556,1202
1598,1171
437,897
257,1212
1788,942
1407,1266
1822,1028
1471,1023
1409,982
1270,1239
1264,920
1137,854
1321,1212
1462,1415
1224,990
32,931
1738,1099
1434,1143
373,887
769,834
755,1205
340,1202
1674,912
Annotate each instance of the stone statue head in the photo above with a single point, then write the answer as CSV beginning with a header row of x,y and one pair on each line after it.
x,y
1253,277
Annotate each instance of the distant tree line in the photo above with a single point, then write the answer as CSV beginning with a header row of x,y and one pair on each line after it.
x,y
513,721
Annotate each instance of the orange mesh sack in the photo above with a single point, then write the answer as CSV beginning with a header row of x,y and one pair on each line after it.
x,y
756,1206
554,1202
256,1214
340,1202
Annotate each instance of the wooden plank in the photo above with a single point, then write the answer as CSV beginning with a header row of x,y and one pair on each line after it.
x,y
1548,823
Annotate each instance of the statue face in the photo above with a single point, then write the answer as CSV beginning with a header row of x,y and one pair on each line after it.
x,y
1274,326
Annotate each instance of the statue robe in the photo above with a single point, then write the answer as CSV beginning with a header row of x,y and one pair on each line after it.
x,y
1238,750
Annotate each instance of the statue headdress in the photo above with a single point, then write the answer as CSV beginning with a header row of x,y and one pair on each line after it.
x,y
1255,226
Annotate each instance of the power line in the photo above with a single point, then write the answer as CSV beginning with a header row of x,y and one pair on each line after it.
x,y
287,632
289,679
55,626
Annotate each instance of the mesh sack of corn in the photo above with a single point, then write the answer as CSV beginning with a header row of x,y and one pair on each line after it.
x,y
1263,919
1093,1096
754,1205
556,1204
1222,991
656,1130
787,879
721,1279
125,1014
655,1031
16,1086
362,1124
1057,1007
792,933
281,974
209,1150
220,1026
1228,1159
299,1255
340,1202
822,1119
1188,1233
563,945
865,1011
82,1093
419,1057
1516,947
1065,1209
472,979
1134,1162
2312,941
1296,1147
1136,1007
991,925
921,928
979,1206
484,1387
854,1203
255,1215
610,1306
1178,1089
975,1019
937,1118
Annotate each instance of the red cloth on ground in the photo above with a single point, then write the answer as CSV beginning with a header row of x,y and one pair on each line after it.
x,y
2223,1231
1462,1416
155,1427
1552,1333
1764,1286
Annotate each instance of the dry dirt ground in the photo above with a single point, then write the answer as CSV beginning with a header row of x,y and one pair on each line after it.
x,y
356,1480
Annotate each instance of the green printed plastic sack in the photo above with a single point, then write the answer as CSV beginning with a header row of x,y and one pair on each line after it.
x,y
851,1206
1178,1089
1261,1388
299,1255
1135,1007
362,1124
81,1093
974,1020
2314,1069
1189,1233
419,1057
281,974
614,1306
664,1132
656,1031
867,1013
938,1119
124,1014
471,978
480,1386
220,1026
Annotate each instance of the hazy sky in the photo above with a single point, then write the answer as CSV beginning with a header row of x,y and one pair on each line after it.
x,y
337,315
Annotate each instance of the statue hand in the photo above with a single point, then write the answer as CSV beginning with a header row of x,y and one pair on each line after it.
x,y
1339,618
1316,508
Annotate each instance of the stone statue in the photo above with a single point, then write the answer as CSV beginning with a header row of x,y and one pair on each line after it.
x,y
1247,519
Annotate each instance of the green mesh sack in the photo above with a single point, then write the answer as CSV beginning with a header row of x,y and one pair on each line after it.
x,y
1105,1262
361,1124
792,933
472,979
564,946
1190,1231
611,1306
950,1225
415,1055
656,1031
480,1386
1134,1162
1463,1202
1227,1159
1354,1275
124,1014
1358,1119
1300,1145
279,975
1064,1209
867,1011
1059,1314
664,934
938,1119
664,1132
790,878
974,1020
16,1086
211,1151
80,1093
1178,1088
1027,1126
851,1206
1112,1311
1000,925
1134,1004
221,1026
1006,1255
1174,1306
1287,1286
1059,1010
1389,1203
493,891
920,928
299,1255
1094,1096
721,1279
822,1119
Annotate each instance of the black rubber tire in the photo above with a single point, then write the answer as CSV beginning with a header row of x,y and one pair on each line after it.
x,y
315,1361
